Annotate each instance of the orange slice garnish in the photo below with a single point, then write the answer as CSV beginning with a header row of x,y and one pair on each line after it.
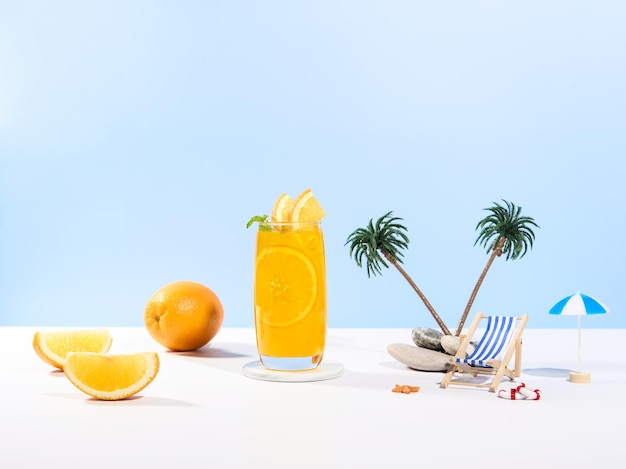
x,y
281,212
286,285
111,377
306,208
53,346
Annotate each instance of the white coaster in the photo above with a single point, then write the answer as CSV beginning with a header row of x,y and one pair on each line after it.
x,y
326,370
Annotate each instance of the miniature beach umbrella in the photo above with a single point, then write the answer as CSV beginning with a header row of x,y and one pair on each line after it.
x,y
579,305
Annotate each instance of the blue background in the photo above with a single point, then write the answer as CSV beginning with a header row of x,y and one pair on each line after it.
x,y
138,137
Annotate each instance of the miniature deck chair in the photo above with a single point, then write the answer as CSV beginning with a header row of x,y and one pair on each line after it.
x,y
501,340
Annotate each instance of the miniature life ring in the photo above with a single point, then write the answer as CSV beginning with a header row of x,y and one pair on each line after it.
x,y
520,392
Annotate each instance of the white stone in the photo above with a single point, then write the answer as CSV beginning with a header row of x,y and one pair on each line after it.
x,y
451,343
419,358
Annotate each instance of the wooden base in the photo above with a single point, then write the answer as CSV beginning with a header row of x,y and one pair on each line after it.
x,y
575,377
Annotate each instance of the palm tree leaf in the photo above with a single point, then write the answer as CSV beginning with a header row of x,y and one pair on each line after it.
x,y
385,234
392,251
506,222
389,237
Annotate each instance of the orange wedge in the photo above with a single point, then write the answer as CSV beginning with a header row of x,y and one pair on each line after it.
x,y
281,212
306,208
53,346
286,285
111,377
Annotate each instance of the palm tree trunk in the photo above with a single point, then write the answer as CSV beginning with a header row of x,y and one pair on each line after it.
x,y
408,278
495,253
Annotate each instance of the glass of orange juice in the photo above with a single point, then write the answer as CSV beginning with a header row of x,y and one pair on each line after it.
x,y
290,295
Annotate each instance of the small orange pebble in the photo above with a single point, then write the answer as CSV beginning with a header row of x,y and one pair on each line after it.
x,y
405,388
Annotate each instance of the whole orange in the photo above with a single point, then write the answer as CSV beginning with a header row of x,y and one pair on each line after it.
x,y
184,316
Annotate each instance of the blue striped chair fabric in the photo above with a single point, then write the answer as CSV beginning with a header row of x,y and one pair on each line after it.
x,y
501,340
493,343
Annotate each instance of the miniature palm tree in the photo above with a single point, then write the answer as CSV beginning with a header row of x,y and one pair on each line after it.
x,y
504,231
386,237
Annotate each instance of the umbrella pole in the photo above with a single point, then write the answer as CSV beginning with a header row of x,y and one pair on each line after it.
x,y
580,346
579,377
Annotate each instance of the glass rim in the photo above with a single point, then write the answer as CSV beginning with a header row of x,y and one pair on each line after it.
x,y
289,223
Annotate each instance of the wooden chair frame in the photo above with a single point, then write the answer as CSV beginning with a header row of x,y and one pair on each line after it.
x,y
498,369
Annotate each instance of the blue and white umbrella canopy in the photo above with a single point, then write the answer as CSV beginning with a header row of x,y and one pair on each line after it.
x,y
579,304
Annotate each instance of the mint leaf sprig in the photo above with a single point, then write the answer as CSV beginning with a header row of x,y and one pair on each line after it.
x,y
257,219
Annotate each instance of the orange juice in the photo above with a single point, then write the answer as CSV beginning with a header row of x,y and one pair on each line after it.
x,y
290,295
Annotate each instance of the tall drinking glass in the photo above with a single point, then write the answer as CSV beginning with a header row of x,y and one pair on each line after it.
x,y
290,295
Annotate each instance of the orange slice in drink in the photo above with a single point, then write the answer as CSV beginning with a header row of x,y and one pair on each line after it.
x,y
281,212
53,346
111,377
306,208
285,286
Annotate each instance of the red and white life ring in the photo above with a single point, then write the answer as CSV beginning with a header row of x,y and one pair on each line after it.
x,y
520,392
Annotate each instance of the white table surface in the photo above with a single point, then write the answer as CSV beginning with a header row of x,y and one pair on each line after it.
x,y
202,412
